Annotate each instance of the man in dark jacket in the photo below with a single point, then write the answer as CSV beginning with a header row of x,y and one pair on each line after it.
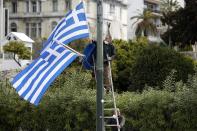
x,y
108,54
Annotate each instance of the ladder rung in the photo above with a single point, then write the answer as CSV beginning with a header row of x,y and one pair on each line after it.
x,y
108,117
108,101
111,125
109,109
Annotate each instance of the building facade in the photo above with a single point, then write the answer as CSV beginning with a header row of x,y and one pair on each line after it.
x,y
137,7
114,13
37,18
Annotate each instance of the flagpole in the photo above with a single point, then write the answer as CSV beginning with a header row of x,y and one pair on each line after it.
x,y
1,25
99,68
79,54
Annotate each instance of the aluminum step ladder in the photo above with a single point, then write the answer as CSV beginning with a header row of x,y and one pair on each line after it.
x,y
112,100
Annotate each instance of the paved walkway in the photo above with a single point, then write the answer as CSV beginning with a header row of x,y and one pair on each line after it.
x,y
8,65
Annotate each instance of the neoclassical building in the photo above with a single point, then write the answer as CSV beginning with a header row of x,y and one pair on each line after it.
x,y
37,18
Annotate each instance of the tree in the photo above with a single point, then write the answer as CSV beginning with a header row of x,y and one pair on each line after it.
x,y
145,23
126,54
184,24
153,64
17,48
167,7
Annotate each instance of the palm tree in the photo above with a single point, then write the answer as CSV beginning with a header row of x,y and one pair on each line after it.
x,y
167,7
145,23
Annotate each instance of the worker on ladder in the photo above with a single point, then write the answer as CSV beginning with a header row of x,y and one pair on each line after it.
x,y
116,122
108,54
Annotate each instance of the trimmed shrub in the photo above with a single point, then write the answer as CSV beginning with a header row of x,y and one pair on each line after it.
x,y
153,64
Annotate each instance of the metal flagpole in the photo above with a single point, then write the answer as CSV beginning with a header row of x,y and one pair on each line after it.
x,y
79,54
1,24
99,68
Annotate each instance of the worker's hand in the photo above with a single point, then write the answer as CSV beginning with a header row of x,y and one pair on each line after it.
x,y
109,58
81,59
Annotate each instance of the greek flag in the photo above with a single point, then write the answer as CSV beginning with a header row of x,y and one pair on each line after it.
x,y
32,82
72,27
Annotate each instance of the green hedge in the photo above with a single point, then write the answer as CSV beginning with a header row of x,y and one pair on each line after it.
x,y
71,107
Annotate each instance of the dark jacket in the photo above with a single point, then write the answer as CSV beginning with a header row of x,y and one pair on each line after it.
x,y
108,50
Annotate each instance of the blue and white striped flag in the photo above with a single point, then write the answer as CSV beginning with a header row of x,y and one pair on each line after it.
x,y
32,82
72,27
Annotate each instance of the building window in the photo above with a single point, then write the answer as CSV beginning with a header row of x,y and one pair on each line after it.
x,y
33,30
68,4
27,6
27,29
112,9
34,6
13,27
120,13
39,30
55,5
14,7
6,22
53,25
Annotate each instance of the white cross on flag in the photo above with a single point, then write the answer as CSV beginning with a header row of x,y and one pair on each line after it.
x,y
72,27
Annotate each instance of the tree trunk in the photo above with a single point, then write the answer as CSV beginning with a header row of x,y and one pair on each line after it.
x,y
169,37
16,60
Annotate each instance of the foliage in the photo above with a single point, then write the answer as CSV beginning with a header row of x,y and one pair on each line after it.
x,y
168,7
79,45
137,64
154,64
145,23
69,107
72,108
126,54
184,24
169,110
17,48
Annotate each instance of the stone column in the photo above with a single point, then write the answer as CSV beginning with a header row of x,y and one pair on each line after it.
x,y
37,6
30,9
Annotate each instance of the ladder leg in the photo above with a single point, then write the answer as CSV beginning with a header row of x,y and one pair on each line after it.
x,y
113,94
115,109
